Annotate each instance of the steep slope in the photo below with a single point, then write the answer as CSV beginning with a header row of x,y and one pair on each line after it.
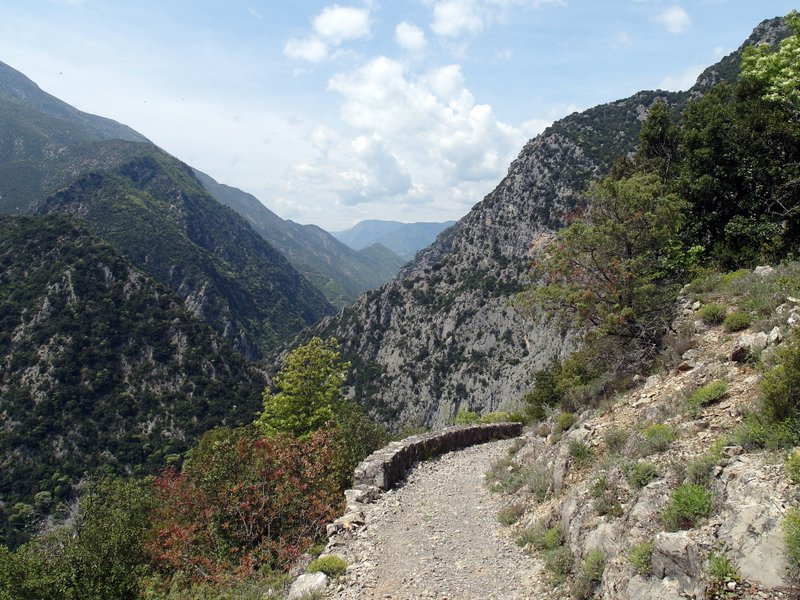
x,y
405,239
153,209
442,335
338,271
158,215
99,366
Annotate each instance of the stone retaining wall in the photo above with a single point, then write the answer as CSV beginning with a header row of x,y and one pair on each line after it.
x,y
383,469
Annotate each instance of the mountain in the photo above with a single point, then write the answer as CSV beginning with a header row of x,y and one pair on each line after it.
x,y
405,239
100,366
154,210
340,272
444,334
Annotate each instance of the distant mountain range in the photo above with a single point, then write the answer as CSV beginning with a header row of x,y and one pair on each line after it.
x,y
404,239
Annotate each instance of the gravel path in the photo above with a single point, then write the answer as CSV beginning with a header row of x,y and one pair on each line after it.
x,y
438,536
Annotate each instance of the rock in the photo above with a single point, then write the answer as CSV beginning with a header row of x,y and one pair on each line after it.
x,y
677,556
309,583
731,451
640,588
686,366
763,271
775,336
751,523
697,305
747,344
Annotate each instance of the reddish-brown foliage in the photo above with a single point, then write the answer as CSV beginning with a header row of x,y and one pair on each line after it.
x,y
242,502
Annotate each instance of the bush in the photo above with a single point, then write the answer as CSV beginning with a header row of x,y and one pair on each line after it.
x,y
538,480
333,566
657,438
689,504
640,474
559,562
791,537
780,384
466,417
792,467
540,537
590,575
615,439
605,497
498,417
564,421
511,514
721,569
712,314
641,558
579,451
736,321
707,394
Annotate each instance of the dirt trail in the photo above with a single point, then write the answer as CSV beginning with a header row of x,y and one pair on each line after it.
x,y
437,536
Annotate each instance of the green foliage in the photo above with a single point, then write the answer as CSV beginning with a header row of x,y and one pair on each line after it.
x,y
579,451
511,514
559,562
547,392
641,473
333,566
688,505
656,438
792,467
466,417
589,575
641,557
98,554
712,314
707,394
606,497
500,417
309,387
791,537
778,71
721,569
736,321
564,421
132,377
615,270
779,385
615,439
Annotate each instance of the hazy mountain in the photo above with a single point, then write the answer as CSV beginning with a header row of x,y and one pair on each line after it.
x,y
405,239
155,212
443,335
99,364
340,272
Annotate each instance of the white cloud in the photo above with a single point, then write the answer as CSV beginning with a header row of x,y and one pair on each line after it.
x,y
681,81
410,37
311,49
452,18
675,19
339,23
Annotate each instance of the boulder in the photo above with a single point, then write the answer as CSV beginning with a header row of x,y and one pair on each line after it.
x,y
307,584
677,556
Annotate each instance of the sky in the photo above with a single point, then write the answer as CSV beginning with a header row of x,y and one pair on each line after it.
x,y
335,112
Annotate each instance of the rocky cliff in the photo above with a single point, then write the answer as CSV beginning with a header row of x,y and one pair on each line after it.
x,y
444,334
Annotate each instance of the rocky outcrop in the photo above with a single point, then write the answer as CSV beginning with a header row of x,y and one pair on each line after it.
x,y
445,335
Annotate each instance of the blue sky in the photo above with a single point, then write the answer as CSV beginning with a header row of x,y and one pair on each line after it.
x,y
334,112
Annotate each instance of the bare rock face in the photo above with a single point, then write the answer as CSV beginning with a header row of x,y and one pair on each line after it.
x,y
307,584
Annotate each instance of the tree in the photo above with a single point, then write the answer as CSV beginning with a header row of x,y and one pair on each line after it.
x,y
616,270
779,71
309,387
658,143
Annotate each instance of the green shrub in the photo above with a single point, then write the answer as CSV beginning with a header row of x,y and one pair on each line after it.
x,y
641,558
712,314
779,385
792,466
709,393
465,417
640,474
564,421
333,566
698,471
511,514
538,480
736,321
579,451
605,497
531,536
547,392
721,569
497,417
502,475
689,504
791,537
516,446
559,562
656,438
589,576
615,439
